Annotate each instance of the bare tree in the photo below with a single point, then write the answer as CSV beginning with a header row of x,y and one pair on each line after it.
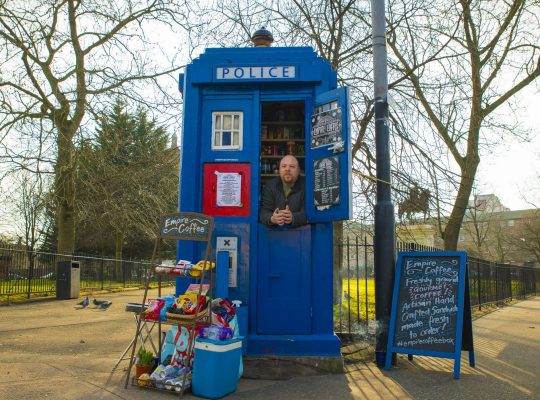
x,y
27,212
461,64
26,201
526,236
64,59
31,206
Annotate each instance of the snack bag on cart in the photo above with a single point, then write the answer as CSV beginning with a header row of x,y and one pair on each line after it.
x,y
224,314
169,301
168,344
180,356
196,270
152,312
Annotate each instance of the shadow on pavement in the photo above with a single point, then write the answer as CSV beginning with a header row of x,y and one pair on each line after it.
x,y
56,350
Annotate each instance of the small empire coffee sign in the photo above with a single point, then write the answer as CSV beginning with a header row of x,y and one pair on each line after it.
x,y
186,226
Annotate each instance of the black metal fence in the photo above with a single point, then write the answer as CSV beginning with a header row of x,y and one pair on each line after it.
x,y
26,273
492,283
31,273
489,282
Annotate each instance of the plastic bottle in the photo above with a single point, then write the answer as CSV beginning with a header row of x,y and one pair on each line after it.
x,y
236,303
168,372
157,372
172,383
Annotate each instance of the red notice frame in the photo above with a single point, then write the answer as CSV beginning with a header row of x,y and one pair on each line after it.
x,y
210,206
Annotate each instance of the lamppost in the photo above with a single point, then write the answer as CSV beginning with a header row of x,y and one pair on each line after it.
x,y
384,209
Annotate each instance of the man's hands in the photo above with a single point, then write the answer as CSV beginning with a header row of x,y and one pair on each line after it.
x,y
282,217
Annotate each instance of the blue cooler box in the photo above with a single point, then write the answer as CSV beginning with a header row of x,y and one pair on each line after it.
x,y
215,367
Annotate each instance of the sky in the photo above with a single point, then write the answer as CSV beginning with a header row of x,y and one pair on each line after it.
x,y
512,170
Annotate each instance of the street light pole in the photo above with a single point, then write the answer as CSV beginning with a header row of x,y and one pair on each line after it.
x,y
384,209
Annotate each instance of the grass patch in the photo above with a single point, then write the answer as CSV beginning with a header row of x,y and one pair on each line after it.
x,y
356,294
12,294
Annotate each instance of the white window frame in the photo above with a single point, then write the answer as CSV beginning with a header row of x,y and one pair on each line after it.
x,y
218,130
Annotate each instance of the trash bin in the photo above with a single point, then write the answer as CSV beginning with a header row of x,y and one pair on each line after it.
x,y
68,280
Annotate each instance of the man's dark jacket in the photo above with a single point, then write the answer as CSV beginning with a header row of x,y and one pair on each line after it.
x,y
273,197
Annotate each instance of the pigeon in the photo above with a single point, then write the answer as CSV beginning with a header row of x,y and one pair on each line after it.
x,y
105,304
99,302
84,303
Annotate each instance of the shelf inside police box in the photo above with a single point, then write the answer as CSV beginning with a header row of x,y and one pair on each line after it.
x,y
282,122
280,156
282,133
282,140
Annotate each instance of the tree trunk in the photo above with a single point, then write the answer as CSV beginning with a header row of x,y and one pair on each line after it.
x,y
65,191
453,226
119,243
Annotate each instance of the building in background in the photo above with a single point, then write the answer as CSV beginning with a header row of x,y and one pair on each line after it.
x,y
508,236
487,203
489,231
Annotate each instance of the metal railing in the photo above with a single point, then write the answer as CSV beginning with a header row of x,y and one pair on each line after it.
x,y
30,273
489,283
27,273
492,283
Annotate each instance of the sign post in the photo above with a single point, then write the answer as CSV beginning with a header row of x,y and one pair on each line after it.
x,y
431,313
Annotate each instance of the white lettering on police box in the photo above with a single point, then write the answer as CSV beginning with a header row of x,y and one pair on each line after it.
x,y
276,72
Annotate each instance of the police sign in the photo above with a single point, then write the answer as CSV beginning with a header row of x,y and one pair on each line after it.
x,y
256,72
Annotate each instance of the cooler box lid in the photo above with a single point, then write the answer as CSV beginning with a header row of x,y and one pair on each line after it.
x,y
218,346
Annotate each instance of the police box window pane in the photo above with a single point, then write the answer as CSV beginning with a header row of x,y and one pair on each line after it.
x,y
226,141
227,122
227,130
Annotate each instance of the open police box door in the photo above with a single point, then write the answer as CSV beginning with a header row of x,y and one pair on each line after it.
x,y
328,158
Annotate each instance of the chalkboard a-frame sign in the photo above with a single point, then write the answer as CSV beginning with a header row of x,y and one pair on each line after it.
x,y
431,312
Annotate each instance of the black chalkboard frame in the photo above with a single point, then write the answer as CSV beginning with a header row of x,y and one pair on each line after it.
x,y
463,327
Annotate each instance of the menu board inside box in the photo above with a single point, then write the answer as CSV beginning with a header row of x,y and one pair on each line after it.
x,y
326,181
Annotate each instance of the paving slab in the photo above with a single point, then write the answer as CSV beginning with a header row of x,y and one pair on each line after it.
x,y
54,350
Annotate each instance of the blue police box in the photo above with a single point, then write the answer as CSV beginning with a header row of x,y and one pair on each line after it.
x,y
244,109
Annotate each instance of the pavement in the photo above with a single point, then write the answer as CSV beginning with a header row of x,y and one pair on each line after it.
x,y
53,350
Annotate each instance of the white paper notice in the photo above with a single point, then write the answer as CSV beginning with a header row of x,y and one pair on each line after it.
x,y
229,189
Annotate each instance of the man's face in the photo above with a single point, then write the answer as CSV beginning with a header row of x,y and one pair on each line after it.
x,y
289,170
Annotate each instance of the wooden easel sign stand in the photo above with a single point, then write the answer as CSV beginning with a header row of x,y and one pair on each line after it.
x,y
431,308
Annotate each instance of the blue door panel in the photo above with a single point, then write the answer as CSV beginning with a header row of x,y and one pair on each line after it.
x,y
284,292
